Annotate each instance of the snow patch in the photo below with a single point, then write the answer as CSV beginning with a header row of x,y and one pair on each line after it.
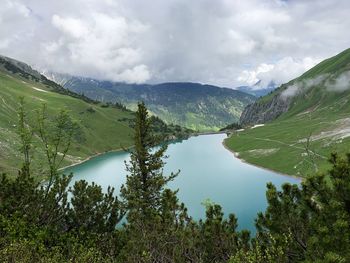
x,y
263,152
40,89
257,126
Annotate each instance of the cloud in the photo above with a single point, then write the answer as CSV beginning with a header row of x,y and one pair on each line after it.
x,y
251,77
13,16
331,83
340,83
71,26
303,86
98,46
280,72
223,42
137,74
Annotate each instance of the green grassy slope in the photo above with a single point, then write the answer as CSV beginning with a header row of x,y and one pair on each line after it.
x,y
317,112
101,128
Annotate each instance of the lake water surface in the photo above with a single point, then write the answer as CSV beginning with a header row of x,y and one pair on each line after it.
x,y
208,171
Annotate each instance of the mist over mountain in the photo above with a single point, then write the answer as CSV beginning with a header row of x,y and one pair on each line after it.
x,y
327,85
257,90
192,105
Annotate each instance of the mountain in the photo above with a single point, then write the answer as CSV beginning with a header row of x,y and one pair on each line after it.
x,y
192,105
297,126
102,127
257,90
326,83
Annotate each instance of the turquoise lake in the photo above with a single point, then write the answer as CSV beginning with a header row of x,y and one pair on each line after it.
x,y
208,171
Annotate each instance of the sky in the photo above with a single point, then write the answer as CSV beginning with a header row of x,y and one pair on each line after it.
x,y
221,42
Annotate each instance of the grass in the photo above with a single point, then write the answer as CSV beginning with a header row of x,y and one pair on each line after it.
x,y
286,134
102,129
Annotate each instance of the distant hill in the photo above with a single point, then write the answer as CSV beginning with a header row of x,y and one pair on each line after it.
x,y
192,105
257,90
305,120
103,126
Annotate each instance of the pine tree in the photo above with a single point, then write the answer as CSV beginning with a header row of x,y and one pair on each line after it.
x,y
145,182
147,201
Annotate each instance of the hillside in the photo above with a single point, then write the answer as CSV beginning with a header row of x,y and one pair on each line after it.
x,y
192,105
305,120
102,127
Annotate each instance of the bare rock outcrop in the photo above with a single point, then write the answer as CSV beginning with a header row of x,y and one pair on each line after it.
x,y
264,111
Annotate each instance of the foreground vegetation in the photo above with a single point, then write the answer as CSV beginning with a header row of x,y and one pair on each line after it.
x,y
55,222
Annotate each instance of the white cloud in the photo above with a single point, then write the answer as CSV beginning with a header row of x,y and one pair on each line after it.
x,y
223,42
253,76
137,74
303,86
70,26
99,46
340,83
332,83
280,72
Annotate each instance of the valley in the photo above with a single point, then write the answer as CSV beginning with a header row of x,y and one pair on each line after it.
x,y
192,105
174,131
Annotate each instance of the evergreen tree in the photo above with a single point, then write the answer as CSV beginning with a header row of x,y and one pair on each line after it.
x,y
287,213
219,237
145,182
316,217
329,202
150,206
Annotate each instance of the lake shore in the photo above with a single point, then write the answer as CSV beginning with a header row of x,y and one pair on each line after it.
x,y
236,155
94,156
123,149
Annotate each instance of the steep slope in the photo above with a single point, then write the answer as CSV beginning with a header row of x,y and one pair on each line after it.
x,y
316,86
305,120
102,127
192,105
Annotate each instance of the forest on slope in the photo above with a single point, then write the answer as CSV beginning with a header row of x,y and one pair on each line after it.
x,y
192,105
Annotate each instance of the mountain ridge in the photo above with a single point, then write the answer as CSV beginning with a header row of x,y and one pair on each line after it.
x,y
273,105
193,105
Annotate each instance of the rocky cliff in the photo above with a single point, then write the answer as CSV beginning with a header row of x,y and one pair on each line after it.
x,y
263,111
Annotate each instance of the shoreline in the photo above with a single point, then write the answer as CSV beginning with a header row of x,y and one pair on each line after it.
x,y
122,150
236,155
208,133
94,156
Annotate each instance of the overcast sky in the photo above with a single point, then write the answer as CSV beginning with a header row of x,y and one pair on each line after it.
x,y
222,42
